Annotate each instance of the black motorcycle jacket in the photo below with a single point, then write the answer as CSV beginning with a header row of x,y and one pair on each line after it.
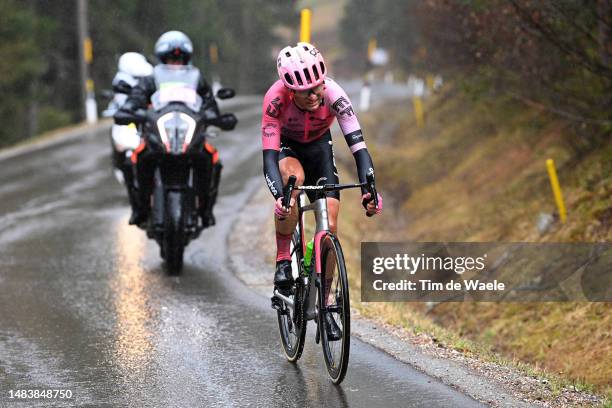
x,y
140,96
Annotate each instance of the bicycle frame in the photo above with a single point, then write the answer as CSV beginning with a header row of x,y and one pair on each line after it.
x,y
319,207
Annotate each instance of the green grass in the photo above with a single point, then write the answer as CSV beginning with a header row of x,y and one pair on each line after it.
x,y
476,172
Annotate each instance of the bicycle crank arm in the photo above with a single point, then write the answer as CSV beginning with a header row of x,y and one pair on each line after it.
x,y
288,302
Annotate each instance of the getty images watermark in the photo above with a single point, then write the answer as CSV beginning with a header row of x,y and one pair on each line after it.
x,y
435,271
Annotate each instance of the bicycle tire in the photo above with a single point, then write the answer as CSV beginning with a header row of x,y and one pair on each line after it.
x,y
292,326
335,353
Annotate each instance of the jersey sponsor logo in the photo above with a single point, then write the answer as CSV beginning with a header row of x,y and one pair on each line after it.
x,y
269,130
354,138
273,109
318,119
343,107
287,148
292,134
340,103
271,185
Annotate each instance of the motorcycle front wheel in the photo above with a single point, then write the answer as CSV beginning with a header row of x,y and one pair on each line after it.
x,y
174,232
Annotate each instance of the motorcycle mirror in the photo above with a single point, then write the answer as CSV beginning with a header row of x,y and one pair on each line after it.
x,y
228,121
225,93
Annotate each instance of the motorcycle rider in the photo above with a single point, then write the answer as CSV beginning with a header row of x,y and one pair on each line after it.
x,y
125,138
173,48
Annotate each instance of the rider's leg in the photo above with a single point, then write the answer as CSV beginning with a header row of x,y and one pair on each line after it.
x,y
290,166
129,174
145,168
213,189
333,208
209,175
284,228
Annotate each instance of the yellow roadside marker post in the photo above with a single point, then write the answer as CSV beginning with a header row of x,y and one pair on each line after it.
x,y
88,50
91,108
305,25
372,45
419,112
213,52
554,183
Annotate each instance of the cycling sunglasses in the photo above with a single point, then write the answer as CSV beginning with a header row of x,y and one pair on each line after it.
x,y
312,91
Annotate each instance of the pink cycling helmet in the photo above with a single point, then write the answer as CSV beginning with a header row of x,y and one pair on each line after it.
x,y
301,67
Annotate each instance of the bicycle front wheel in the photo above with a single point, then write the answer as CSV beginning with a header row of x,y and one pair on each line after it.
x,y
334,309
292,323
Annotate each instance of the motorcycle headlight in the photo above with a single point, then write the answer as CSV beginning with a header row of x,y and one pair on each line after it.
x,y
176,130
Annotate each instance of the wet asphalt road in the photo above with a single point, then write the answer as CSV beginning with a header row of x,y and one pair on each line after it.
x,y
86,306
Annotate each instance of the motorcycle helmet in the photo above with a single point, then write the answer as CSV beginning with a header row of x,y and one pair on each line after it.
x,y
134,64
174,45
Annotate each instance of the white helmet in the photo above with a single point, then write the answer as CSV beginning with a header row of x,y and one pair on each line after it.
x,y
135,65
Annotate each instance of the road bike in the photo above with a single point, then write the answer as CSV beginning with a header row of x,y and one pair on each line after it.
x,y
320,291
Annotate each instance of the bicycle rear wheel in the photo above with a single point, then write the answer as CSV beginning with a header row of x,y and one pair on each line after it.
x,y
292,323
334,302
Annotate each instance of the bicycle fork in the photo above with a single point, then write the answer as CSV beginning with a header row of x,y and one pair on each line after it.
x,y
312,282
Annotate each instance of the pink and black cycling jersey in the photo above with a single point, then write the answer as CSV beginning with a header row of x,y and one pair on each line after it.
x,y
282,119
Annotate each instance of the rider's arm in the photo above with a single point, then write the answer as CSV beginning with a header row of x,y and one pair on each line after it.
x,y
123,83
209,103
341,106
270,140
140,94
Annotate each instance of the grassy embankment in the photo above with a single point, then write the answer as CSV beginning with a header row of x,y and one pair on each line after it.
x,y
476,172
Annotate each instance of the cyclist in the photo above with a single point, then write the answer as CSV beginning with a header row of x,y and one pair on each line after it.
x,y
173,48
298,111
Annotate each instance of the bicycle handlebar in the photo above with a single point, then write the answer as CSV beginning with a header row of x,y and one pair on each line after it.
x,y
369,185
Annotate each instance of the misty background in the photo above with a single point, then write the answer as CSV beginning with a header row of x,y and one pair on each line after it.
x,y
554,54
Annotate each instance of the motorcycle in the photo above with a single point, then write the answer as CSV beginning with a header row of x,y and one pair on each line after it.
x,y
174,129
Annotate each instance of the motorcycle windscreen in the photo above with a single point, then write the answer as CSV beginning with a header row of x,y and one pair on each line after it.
x,y
176,83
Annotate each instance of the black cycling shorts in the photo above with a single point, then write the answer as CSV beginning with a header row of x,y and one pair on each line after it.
x,y
317,159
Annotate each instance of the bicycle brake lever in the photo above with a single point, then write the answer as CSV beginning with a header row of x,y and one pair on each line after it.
x,y
288,190
372,190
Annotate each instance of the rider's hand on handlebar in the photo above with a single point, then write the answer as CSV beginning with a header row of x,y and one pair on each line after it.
x,y
280,211
368,204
